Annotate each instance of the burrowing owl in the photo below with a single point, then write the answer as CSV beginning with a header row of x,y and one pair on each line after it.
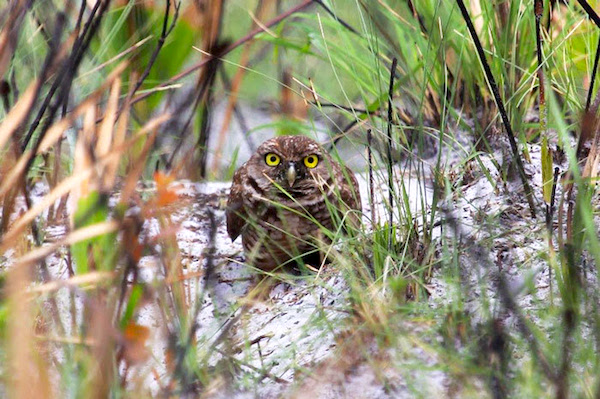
x,y
283,197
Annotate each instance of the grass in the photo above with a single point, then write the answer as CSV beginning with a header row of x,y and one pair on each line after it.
x,y
451,274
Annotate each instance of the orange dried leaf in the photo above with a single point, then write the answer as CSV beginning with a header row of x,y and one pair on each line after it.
x,y
135,337
136,333
162,179
164,195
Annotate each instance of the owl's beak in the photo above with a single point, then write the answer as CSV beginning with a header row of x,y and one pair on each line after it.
x,y
291,174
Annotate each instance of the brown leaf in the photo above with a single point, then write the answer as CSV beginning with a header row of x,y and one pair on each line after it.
x,y
135,337
164,194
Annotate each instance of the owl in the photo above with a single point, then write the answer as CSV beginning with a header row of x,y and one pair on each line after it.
x,y
283,198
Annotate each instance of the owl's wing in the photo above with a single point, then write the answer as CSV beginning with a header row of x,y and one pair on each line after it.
x,y
349,190
236,213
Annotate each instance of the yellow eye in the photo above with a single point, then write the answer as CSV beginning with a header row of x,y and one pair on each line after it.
x,y
272,159
311,161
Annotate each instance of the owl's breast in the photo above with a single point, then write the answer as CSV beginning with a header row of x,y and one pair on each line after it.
x,y
280,233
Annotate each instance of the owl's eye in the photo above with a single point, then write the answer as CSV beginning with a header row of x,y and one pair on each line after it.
x,y
311,161
272,159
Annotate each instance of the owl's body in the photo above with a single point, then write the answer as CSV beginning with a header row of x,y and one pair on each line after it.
x,y
283,196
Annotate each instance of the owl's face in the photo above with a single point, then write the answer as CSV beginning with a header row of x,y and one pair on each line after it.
x,y
292,162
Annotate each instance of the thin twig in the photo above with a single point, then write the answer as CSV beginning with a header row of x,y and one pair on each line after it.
x,y
53,48
390,120
342,107
550,213
166,30
371,186
206,84
593,79
228,49
70,71
341,21
415,14
263,373
24,185
77,28
4,92
590,12
67,67
500,105
539,11
549,226
342,133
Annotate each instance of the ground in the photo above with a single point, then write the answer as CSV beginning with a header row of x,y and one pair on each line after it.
x,y
292,341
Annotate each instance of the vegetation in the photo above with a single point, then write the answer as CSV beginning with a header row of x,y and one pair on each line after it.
x,y
486,110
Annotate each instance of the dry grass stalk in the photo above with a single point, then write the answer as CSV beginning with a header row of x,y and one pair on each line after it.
x,y
120,132
105,135
92,279
58,129
136,169
76,236
55,133
103,334
29,378
17,114
7,35
82,176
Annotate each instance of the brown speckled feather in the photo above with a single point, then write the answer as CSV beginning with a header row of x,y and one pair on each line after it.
x,y
277,221
235,213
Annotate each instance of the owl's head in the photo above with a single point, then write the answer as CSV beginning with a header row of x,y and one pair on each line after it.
x,y
290,161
